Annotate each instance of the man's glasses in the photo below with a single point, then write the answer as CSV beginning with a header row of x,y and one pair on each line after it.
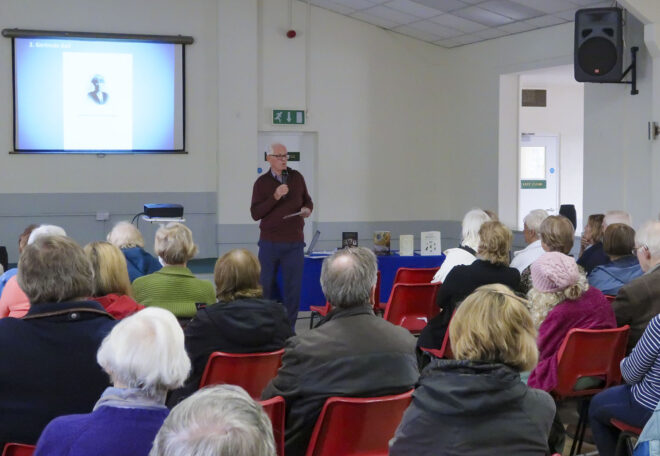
x,y
280,157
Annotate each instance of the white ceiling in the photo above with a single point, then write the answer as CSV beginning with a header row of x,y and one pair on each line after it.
x,y
451,23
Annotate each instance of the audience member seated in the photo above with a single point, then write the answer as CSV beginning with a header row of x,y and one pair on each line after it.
x,y
22,242
48,358
475,403
639,300
634,402
464,253
174,287
595,255
14,302
618,245
112,288
491,267
557,235
216,421
560,301
241,322
531,226
350,353
144,355
591,235
128,238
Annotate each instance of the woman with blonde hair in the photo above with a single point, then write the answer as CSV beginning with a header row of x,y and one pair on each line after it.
x,y
242,321
492,266
112,288
174,287
128,238
476,403
560,301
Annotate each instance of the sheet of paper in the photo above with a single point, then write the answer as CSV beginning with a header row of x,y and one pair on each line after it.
x,y
293,215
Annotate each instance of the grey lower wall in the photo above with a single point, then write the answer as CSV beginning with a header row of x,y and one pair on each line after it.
x,y
76,213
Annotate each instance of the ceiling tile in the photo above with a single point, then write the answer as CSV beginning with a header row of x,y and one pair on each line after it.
x,y
355,4
458,23
419,34
440,30
379,21
568,15
390,14
510,9
443,5
467,39
545,21
491,33
410,7
482,16
516,27
332,6
547,6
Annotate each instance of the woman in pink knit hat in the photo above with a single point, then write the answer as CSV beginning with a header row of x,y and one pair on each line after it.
x,y
561,299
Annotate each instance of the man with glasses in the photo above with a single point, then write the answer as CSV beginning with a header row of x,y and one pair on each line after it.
x,y
639,301
281,201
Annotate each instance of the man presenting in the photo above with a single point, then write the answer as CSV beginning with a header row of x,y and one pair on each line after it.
x,y
277,194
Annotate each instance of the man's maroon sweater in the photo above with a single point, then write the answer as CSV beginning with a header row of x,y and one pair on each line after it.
x,y
270,211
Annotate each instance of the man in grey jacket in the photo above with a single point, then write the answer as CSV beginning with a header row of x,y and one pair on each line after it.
x,y
350,353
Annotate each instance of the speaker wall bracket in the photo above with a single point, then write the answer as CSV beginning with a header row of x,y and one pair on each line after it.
x,y
632,69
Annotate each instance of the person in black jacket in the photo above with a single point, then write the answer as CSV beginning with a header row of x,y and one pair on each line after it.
x,y
491,266
48,358
476,404
241,322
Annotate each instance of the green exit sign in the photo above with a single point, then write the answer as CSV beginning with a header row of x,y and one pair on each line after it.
x,y
288,117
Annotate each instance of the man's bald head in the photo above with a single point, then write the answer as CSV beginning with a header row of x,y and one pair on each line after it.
x,y
348,277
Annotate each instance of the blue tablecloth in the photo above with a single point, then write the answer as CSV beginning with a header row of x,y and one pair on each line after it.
x,y
311,294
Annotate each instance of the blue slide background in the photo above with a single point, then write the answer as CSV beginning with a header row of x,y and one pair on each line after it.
x,y
38,91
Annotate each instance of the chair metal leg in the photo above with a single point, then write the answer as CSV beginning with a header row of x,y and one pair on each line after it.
x,y
311,320
581,429
624,444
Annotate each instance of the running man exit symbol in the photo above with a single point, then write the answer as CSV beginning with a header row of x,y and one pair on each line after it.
x,y
288,117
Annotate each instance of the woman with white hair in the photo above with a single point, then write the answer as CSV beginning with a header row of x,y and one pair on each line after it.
x,y
129,240
174,287
13,301
144,356
465,253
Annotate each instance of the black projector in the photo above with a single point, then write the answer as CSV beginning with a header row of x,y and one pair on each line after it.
x,y
163,210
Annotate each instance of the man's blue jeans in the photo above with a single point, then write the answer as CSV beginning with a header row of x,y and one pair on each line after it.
x,y
289,257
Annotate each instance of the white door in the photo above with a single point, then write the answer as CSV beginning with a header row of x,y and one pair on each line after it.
x,y
538,181
302,157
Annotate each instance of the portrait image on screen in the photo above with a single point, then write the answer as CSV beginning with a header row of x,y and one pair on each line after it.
x,y
92,95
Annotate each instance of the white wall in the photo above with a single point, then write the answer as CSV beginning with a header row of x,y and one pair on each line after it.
x,y
563,116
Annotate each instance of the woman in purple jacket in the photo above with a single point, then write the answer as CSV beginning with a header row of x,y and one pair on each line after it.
x,y
561,299
144,356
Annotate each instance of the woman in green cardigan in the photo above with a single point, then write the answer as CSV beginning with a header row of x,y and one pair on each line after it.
x,y
174,287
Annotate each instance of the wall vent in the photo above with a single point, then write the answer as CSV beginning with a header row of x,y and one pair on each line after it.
x,y
534,98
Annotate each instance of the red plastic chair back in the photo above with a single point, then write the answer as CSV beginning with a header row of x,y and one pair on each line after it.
x,y
412,305
275,409
414,275
590,353
610,298
377,305
352,426
18,449
250,371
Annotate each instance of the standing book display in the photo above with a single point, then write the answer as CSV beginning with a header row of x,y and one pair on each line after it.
x,y
431,243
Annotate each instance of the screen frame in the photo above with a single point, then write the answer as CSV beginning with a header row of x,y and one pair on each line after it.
x,y
167,39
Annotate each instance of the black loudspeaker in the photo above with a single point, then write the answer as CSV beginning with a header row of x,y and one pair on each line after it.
x,y
598,45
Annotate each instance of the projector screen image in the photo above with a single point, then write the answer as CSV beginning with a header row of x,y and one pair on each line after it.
x,y
94,95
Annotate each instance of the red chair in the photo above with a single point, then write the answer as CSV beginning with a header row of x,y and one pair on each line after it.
x,y
406,275
352,426
412,305
610,298
625,441
414,275
250,371
321,311
275,409
18,449
589,353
